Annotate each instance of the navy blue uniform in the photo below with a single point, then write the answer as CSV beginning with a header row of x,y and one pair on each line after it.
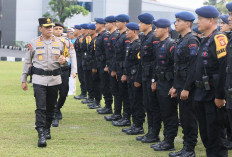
x,y
77,46
132,61
184,70
164,54
145,73
118,66
100,55
210,81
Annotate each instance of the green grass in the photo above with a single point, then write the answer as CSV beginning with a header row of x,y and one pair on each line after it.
x,y
82,132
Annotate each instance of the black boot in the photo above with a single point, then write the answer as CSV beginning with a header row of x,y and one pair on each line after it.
x,y
81,96
165,145
55,122
151,137
125,121
59,115
91,104
136,130
187,151
113,117
87,101
105,110
139,138
47,134
42,140
126,129
95,106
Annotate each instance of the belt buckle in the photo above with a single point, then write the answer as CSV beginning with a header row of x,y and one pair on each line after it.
x,y
49,73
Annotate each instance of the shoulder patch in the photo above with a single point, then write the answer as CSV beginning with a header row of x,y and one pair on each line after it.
x,y
221,43
171,49
155,42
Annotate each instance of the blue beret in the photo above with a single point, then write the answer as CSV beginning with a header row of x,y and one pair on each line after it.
x,y
195,29
110,19
207,11
229,6
77,27
84,26
123,18
100,21
132,26
92,26
225,18
146,18
184,15
162,23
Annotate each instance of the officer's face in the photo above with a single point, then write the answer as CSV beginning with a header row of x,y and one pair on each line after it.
x,y
120,25
92,32
108,26
143,27
70,33
76,32
160,32
129,33
224,27
57,31
230,19
203,23
180,25
46,31
99,27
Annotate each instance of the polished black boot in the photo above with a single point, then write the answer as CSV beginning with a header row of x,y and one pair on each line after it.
x,y
139,138
125,121
126,129
136,130
55,122
42,140
105,110
81,96
95,106
165,145
150,137
87,101
47,134
113,117
187,151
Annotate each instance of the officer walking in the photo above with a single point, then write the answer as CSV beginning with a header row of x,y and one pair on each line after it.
x,y
184,68
118,71
132,60
65,72
149,98
45,52
78,47
100,55
210,81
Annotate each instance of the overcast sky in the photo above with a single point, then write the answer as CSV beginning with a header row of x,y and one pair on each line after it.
x,y
184,3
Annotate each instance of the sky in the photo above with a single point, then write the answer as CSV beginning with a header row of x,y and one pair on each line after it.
x,y
193,4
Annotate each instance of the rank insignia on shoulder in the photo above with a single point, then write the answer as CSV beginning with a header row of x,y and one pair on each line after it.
x,y
221,43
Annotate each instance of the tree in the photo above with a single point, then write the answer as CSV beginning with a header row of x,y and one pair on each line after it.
x,y
63,9
219,4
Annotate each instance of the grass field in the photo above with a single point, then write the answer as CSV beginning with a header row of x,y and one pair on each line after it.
x,y
82,131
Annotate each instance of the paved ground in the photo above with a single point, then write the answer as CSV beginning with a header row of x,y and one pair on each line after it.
x,y
11,53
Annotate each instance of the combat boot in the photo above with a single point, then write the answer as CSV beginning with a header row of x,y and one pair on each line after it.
x,y
42,140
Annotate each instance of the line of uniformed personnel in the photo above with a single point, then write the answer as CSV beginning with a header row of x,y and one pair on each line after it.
x,y
142,70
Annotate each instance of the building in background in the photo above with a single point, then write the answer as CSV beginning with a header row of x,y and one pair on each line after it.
x,y
20,17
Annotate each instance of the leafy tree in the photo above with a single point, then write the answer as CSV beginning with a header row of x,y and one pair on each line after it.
x,y
63,9
219,4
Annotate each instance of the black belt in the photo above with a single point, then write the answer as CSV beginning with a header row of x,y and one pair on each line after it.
x,y
65,68
38,71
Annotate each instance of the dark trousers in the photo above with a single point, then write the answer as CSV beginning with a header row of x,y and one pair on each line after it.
x,y
187,111
115,93
89,83
46,99
136,103
96,87
82,80
168,109
152,108
105,87
211,125
63,89
123,93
